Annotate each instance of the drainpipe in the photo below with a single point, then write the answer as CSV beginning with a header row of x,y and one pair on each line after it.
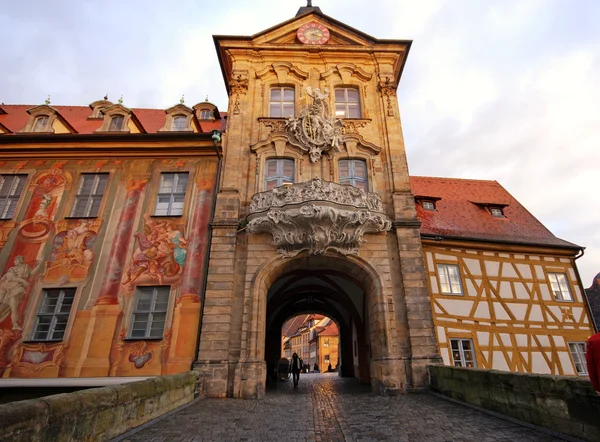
x,y
216,138
587,301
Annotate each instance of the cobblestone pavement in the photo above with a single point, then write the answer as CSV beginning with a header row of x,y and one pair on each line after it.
x,y
326,407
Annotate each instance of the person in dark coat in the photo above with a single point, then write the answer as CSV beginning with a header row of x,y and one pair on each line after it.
x,y
296,368
592,356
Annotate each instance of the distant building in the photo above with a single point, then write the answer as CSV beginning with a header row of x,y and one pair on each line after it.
x,y
593,296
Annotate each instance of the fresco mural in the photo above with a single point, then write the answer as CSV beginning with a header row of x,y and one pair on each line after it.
x,y
72,251
159,254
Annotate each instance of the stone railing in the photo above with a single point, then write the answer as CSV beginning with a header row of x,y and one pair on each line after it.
x,y
98,413
568,405
317,216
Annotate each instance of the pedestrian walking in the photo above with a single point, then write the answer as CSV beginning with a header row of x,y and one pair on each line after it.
x,y
592,356
296,368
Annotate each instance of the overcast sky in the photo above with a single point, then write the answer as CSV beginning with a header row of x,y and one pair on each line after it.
x,y
506,90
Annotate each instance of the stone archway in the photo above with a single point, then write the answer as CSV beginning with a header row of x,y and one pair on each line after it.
x,y
251,370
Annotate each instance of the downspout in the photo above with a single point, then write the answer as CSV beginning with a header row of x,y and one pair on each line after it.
x,y
216,137
587,301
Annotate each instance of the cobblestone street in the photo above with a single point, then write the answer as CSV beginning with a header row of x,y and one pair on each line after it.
x,y
327,408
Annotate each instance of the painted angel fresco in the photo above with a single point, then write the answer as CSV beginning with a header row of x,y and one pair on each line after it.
x,y
13,288
160,252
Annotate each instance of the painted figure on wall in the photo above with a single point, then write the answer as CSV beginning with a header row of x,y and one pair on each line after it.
x,y
160,252
13,288
72,254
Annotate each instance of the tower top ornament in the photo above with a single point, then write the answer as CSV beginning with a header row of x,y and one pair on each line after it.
x,y
315,130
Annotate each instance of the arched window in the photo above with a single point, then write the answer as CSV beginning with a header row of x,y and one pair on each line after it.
x,y
179,123
41,124
353,172
347,102
116,123
277,172
281,102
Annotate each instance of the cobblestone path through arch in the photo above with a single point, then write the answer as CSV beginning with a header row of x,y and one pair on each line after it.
x,y
326,407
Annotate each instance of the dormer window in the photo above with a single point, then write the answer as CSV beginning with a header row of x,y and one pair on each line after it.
x,y
116,123
497,212
41,124
100,114
179,123
206,114
428,205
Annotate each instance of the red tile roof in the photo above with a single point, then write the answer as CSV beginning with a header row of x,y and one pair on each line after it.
x,y
290,328
461,213
330,330
77,116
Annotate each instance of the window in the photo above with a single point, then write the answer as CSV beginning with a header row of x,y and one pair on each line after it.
x,y
277,172
497,212
171,194
326,343
179,123
449,279
53,314
326,359
428,205
89,195
11,187
560,286
116,123
463,354
205,114
41,124
100,113
150,312
281,103
347,104
578,354
353,172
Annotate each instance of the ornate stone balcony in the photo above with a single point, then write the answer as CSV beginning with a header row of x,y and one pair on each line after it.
x,y
317,216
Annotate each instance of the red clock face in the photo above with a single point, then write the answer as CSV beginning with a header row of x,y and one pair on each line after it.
x,y
313,34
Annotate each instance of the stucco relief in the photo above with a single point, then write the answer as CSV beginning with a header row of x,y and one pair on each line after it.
x,y
317,216
159,255
315,130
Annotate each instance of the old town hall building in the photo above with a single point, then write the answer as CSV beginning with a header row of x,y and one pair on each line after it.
x,y
141,242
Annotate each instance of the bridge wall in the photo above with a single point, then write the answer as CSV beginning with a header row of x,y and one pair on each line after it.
x,y
96,414
565,404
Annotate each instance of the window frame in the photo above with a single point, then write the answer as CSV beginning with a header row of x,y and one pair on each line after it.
x,y
496,212
171,194
352,179
43,128
149,313
424,203
579,357
179,117
557,282
279,177
16,198
446,266
206,114
282,103
346,103
112,119
90,197
54,315
461,352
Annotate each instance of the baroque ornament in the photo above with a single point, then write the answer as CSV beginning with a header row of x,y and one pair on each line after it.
x,y
317,216
315,130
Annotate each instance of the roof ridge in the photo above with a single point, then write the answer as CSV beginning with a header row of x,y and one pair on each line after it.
x,y
454,179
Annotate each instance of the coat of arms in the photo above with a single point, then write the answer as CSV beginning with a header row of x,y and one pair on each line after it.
x,y
315,130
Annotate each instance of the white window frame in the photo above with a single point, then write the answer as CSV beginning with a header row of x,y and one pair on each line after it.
x,y
558,287
90,198
443,271
346,104
206,114
578,350
462,360
41,127
112,125
352,179
149,316
175,127
428,205
9,201
172,194
281,104
279,177
55,315
497,212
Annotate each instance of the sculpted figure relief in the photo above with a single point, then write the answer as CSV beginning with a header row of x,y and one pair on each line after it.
x,y
315,130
